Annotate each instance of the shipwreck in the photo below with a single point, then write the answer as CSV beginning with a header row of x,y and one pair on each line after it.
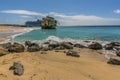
x,y
48,23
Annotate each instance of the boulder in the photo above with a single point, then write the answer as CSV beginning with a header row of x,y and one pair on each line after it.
x,y
53,44
115,43
16,47
59,48
95,46
72,53
28,43
17,68
33,47
67,45
79,46
46,48
113,61
108,46
6,45
111,45
118,53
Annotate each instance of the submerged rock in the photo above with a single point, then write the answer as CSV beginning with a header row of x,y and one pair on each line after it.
x,y
95,46
17,68
16,47
113,61
72,53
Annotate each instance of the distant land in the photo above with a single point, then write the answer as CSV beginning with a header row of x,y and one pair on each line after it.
x,y
20,25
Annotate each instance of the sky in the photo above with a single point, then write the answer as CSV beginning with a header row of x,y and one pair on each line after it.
x,y
67,12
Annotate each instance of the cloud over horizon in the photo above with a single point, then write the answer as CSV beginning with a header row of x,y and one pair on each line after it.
x,y
117,11
69,20
24,12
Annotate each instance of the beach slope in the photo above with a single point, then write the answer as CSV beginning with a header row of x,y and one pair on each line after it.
x,y
57,66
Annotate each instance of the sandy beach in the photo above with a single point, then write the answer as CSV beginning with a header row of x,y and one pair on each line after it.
x,y
7,31
57,66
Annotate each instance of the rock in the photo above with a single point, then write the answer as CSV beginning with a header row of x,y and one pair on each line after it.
x,y
43,52
72,53
16,47
53,44
118,53
113,61
45,48
67,45
6,45
3,52
28,43
115,43
111,45
108,46
95,46
17,68
59,48
33,47
79,46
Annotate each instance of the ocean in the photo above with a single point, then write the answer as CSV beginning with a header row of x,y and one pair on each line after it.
x,y
102,33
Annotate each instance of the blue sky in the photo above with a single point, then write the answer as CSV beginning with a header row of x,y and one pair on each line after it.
x,y
68,12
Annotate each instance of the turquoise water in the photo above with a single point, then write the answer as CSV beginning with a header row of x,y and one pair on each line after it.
x,y
111,33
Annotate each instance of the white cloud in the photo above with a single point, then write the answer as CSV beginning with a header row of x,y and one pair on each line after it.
x,y
68,20
117,11
25,16
24,12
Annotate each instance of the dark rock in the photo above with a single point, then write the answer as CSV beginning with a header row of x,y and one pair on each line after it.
x,y
33,47
59,48
115,43
6,45
95,46
113,61
28,43
53,44
16,47
108,46
111,45
72,53
17,68
43,52
67,45
118,53
45,48
79,46
87,41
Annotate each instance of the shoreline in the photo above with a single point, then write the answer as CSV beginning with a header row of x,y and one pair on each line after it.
x,y
13,32
52,64
50,60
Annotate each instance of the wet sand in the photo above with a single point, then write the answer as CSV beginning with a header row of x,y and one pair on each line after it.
x,y
7,31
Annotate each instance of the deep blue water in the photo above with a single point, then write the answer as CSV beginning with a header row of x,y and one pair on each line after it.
x,y
111,33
